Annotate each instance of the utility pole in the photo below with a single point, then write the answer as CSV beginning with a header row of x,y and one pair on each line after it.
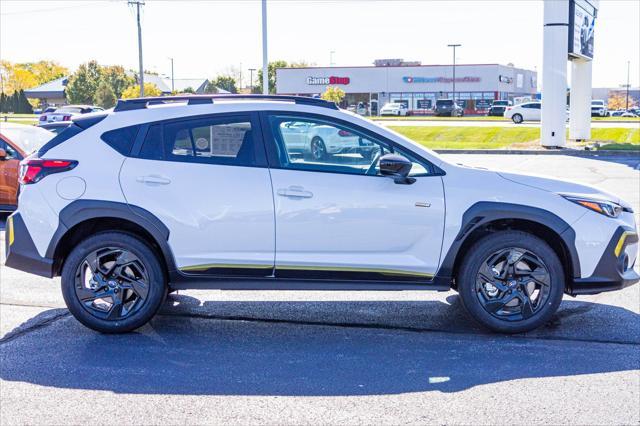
x,y
172,85
454,68
139,3
265,57
628,86
251,70
240,77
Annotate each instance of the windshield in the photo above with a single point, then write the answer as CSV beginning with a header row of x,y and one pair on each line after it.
x,y
444,102
597,103
28,138
500,103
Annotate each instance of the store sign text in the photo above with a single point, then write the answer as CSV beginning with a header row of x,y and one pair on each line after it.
x,y
440,79
323,81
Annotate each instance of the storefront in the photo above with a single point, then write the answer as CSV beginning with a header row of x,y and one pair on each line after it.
x,y
476,86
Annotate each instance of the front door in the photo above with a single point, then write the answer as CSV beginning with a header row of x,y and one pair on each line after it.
x,y
206,179
336,217
9,176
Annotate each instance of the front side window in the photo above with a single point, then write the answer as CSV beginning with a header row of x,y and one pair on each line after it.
x,y
321,145
217,141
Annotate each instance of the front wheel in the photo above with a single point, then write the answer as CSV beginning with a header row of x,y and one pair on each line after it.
x,y
318,149
517,118
113,282
511,282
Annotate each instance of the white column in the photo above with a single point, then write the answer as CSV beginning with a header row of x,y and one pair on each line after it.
x,y
580,113
554,73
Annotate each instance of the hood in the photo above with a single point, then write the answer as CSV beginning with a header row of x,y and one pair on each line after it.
x,y
561,187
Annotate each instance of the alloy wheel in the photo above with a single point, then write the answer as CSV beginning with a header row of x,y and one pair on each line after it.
x,y
513,284
318,150
112,283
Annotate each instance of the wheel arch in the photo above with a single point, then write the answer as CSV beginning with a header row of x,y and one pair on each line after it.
x,y
87,217
486,217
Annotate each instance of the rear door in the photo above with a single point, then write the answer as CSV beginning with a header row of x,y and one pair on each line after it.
x,y
206,179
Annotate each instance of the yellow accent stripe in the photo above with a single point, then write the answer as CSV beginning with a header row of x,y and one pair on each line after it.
x,y
10,231
223,265
621,241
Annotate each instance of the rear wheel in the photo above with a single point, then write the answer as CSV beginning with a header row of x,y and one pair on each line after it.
x,y
318,149
113,282
511,282
517,118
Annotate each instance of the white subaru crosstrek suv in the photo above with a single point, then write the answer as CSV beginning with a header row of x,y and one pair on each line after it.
x,y
211,192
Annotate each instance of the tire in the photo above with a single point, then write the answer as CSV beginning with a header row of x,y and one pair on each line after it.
x,y
517,118
134,290
517,315
318,149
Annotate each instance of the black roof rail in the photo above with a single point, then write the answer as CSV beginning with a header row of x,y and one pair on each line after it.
x,y
142,103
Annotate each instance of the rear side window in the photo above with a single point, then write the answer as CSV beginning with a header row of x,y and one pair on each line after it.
x,y
152,146
121,139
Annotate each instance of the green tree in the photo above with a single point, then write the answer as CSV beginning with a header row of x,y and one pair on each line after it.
x,y
333,94
225,82
150,89
104,96
3,102
82,85
117,79
211,88
271,75
185,90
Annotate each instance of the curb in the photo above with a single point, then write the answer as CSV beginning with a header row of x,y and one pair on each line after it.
x,y
570,152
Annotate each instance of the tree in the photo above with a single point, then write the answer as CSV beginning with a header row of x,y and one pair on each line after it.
x,y
225,82
22,104
333,94
271,75
83,83
104,96
3,103
45,71
211,88
150,89
117,79
618,100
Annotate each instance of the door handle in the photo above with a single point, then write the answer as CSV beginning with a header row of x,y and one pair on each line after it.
x,y
295,192
153,180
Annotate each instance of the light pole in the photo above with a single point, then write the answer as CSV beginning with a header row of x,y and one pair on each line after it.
x,y
454,68
172,85
628,86
139,3
251,70
265,57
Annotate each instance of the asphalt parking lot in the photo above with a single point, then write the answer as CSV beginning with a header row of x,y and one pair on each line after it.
x,y
328,357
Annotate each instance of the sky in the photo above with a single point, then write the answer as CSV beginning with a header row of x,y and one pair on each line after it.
x,y
209,37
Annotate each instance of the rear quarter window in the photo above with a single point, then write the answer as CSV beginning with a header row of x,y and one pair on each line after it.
x,y
121,139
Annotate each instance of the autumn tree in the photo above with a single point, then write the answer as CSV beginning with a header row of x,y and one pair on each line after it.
x,y
104,96
150,89
618,100
333,94
83,84
117,79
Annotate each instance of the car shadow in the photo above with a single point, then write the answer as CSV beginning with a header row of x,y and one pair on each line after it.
x,y
289,354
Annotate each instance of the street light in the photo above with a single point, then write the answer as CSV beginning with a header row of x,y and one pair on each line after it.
x,y
172,88
454,68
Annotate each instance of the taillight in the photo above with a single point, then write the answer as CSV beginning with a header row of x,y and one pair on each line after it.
x,y
344,133
36,169
43,118
508,109
66,118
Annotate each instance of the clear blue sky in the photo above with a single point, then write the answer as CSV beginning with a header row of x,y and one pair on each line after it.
x,y
209,37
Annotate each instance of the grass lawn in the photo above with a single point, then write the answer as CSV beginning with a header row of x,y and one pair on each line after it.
x,y
444,137
483,118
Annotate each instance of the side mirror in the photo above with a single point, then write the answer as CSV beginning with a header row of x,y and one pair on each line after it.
x,y
397,167
3,154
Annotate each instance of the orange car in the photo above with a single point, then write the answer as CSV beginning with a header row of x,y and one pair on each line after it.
x,y
16,142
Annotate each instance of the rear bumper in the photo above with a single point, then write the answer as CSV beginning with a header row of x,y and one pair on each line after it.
x,y
21,252
615,270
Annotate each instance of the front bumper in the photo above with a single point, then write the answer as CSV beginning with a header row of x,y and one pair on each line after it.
x,y
21,252
615,270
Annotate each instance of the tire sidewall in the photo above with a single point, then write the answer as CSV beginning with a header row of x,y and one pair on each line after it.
x,y
148,257
517,118
480,251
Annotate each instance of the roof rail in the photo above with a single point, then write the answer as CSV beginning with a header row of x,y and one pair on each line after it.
x,y
142,103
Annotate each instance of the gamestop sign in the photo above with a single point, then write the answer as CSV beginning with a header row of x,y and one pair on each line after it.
x,y
324,81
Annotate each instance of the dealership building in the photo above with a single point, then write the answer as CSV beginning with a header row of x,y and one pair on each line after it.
x,y
418,86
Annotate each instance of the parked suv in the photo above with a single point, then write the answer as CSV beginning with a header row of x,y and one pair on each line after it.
x,y
599,108
212,192
447,107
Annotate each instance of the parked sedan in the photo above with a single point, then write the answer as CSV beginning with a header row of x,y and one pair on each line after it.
x,y
17,141
528,111
393,108
66,112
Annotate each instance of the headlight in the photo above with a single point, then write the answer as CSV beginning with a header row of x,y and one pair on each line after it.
x,y
607,208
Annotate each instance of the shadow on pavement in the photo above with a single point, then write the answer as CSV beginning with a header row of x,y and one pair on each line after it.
x,y
179,354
